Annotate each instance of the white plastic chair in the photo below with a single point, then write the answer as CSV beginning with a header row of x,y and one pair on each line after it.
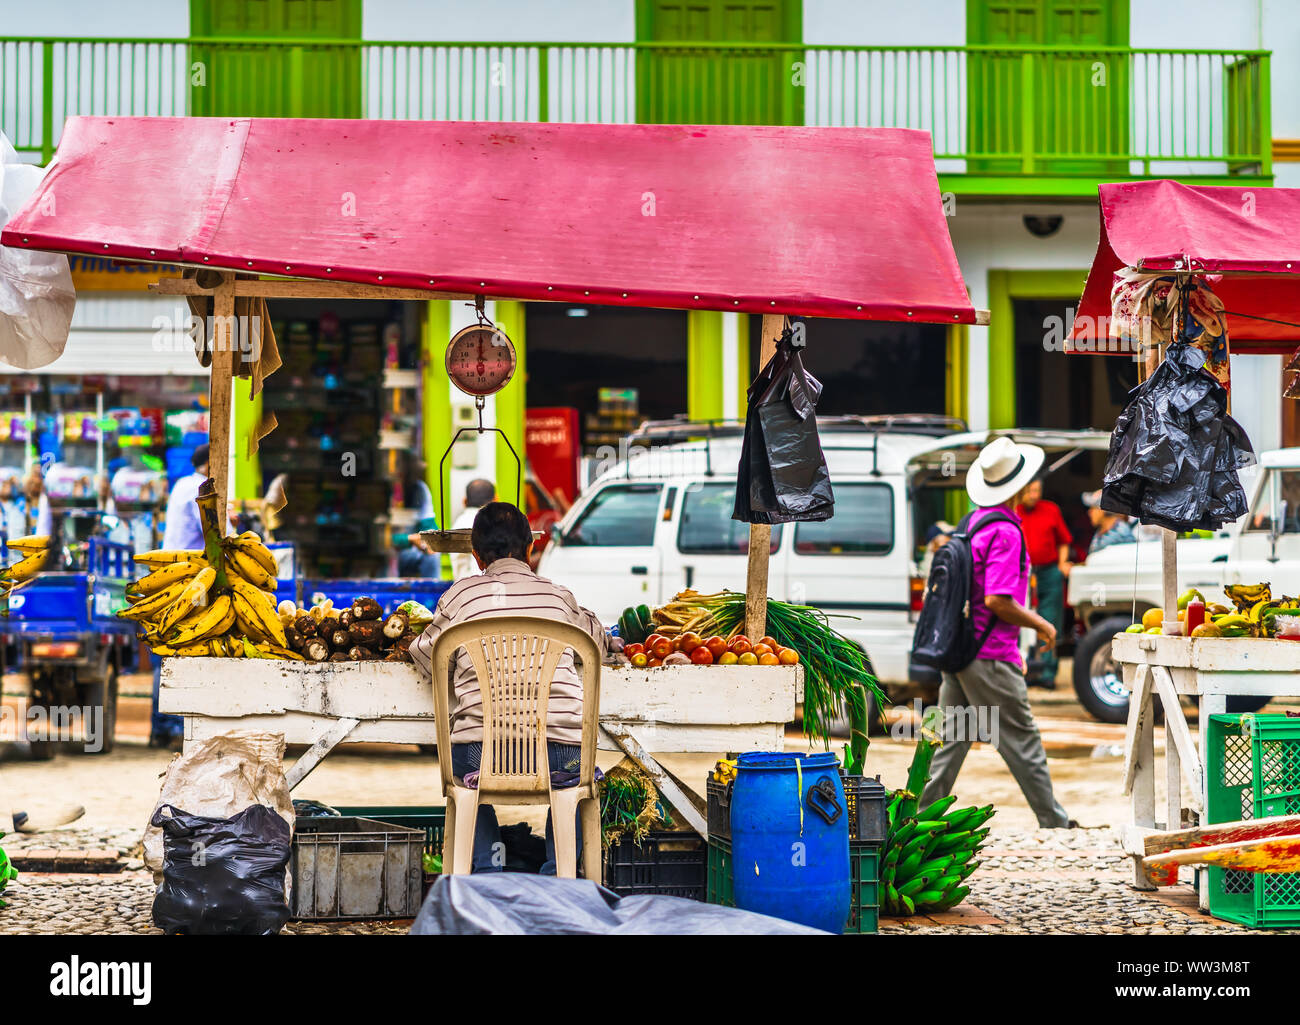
x,y
514,659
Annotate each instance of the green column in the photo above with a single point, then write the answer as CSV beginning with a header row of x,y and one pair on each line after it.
x,y
704,365
511,402
1002,352
435,409
248,469
744,373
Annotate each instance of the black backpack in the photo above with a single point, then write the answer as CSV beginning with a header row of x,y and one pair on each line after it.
x,y
945,630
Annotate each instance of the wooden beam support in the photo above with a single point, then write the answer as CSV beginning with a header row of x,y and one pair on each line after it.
x,y
315,754
627,742
221,392
760,534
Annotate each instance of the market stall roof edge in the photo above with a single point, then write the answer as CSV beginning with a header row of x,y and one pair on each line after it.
x,y
838,222
1248,235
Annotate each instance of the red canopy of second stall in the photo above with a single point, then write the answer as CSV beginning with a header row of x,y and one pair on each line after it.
x,y
1247,237
834,222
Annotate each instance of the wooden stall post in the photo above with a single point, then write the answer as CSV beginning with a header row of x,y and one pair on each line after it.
x,y
221,394
760,534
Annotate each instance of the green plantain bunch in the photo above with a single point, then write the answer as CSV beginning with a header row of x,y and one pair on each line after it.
x,y
931,852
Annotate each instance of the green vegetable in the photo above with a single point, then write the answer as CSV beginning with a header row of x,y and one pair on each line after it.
x,y
629,803
7,871
432,863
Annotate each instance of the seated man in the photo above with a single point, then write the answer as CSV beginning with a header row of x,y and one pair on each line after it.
x,y
501,541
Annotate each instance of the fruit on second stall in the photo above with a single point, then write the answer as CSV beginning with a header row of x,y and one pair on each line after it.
x,y
694,649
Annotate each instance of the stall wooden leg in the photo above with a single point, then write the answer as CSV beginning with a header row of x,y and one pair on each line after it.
x,y
1208,705
681,804
1139,771
313,756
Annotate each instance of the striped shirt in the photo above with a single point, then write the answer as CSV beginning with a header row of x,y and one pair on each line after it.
x,y
509,588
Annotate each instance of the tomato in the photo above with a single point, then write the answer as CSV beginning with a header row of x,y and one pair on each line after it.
x,y
639,660
728,658
740,644
788,656
631,650
717,646
701,655
688,642
748,659
768,660
770,642
761,649
649,642
654,663
661,648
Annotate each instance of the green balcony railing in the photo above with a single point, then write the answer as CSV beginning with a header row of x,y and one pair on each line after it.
x,y
1000,113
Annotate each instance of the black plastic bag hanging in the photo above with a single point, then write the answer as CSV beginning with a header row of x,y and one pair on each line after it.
x,y
782,476
1175,453
222,877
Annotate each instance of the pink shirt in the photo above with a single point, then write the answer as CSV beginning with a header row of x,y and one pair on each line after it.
x,y
999,569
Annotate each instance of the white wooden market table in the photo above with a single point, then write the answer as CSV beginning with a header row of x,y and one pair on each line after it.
x,y
642,711
1211,670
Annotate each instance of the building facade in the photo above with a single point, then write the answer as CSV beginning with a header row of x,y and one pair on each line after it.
x,y
1030,104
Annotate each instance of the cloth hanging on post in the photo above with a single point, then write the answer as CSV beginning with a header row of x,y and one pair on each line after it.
x,y
1145,308
782,476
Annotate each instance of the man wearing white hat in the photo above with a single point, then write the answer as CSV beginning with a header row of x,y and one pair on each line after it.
x,y
995,679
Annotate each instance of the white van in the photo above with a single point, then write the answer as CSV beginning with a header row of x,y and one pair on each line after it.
x,y
659,520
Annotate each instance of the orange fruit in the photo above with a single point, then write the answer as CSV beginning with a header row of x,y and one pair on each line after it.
x,y
1153,618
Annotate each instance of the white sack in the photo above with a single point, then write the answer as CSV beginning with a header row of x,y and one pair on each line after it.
x,y
36,293
220,777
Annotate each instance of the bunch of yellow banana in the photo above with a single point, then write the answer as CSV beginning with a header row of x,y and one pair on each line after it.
x,y
34,550
217,602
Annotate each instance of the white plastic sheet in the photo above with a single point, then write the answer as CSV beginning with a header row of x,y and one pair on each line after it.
x,y
36,293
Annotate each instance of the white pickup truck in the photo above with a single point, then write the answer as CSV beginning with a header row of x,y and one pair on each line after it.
x,y
1117,584
659,520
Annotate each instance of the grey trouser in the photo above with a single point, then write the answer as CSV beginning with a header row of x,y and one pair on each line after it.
x,y
993,689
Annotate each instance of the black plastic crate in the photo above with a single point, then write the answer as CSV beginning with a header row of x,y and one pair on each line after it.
x,y
718,799
668,864
868,808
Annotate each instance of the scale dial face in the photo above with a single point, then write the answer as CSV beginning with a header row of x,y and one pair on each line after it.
x,y
480,359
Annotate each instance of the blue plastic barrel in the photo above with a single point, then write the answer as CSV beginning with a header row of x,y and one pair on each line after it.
x,y
790,838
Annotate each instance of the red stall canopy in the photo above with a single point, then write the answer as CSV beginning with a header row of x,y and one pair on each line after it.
x,y
1249,235
839,222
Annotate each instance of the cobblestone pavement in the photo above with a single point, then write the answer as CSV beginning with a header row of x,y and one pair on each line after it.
x,y
1031,882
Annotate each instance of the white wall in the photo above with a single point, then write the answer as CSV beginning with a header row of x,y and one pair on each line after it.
x,y
992,236
884,22
133,19
576,21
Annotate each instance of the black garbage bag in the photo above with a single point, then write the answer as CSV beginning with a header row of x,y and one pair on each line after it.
x,y
782,476
222,876
519,905
1175,453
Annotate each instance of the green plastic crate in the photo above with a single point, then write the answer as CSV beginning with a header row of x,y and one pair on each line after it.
x,y
431,818
864,874
1253,763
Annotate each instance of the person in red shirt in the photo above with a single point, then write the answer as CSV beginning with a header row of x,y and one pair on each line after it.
x,y
1048,540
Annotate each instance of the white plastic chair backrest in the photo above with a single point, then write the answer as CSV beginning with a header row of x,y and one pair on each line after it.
x,y
514,660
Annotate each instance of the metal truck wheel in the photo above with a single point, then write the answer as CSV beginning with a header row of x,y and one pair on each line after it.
x,y
1097,678
103,693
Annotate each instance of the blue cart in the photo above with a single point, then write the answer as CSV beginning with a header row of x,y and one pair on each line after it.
x,y
72,646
